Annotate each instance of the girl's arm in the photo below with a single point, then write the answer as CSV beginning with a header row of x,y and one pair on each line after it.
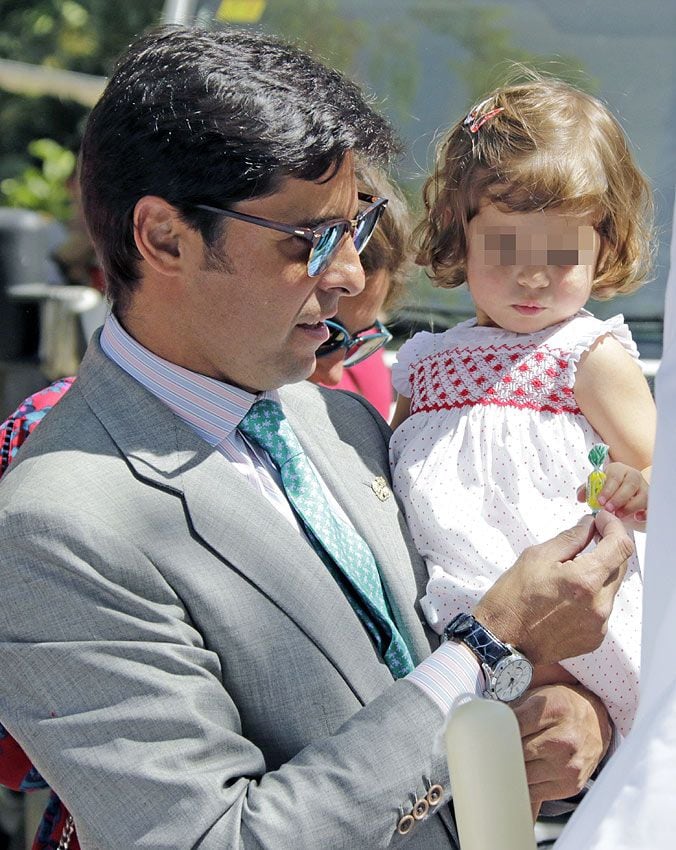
x,y
615,398
401,411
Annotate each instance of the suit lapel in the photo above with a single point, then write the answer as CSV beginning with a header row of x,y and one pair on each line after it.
x,y
242,527
235,522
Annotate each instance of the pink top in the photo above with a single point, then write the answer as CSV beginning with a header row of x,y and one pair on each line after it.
x,y
371,378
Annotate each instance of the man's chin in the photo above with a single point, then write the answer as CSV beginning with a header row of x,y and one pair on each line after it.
x,y
295,373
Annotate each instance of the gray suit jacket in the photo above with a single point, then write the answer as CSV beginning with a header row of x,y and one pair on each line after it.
x,y
178,662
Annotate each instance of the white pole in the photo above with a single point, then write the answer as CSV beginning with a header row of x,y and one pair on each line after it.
x,y
22,78
179,11
488,777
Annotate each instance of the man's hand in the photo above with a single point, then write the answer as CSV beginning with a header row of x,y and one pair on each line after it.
x,y
554,603
565,732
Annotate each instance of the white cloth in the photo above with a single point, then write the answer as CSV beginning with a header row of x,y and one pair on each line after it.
x,y
631,806
489,463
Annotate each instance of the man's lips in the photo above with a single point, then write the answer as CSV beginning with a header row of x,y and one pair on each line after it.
x,y
317,330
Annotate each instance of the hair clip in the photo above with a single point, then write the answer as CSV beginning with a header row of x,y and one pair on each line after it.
x,y
475,121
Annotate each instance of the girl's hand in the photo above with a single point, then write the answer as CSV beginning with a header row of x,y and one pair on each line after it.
x,y
624,493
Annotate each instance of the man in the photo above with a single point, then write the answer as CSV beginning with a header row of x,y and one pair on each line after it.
x,y
200,660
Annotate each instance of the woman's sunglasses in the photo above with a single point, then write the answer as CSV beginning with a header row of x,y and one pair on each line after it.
x,y
358,347
325,239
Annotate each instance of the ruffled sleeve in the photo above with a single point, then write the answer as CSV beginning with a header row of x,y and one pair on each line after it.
x,y
410,352
591,329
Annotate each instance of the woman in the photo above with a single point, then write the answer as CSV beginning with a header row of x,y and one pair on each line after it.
x,y
353,357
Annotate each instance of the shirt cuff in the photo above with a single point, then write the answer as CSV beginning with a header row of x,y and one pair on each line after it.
x,y
450,671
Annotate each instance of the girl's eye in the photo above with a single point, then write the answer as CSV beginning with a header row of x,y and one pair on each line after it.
x,y
563,257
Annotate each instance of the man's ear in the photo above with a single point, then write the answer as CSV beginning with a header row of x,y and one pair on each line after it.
x,y
160,234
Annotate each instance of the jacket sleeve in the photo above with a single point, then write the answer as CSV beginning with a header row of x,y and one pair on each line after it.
x,y
116,698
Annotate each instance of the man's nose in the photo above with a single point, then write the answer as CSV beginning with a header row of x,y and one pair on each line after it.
x,y
345,271
534,277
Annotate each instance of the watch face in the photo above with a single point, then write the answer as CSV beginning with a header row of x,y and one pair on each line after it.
x,y
511,678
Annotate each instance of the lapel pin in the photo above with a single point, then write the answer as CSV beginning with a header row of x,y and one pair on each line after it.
x,y
380,488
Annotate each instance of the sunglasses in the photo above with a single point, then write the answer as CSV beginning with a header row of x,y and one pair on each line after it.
x,y
324,240
358,347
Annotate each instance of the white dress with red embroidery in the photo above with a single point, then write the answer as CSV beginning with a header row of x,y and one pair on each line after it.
x,y
489,462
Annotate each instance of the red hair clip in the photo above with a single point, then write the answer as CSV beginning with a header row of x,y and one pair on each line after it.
x,y
474,121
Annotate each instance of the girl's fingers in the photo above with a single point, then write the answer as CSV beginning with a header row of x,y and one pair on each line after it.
x,y
618,494
635,504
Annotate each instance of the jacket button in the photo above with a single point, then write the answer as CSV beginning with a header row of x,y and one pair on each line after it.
x,y
435,794
420,809
405,825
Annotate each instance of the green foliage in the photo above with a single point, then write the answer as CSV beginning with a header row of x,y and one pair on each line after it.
x,y
81,36
43,188
77,35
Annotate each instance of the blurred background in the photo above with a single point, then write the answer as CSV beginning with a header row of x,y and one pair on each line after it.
x,y
424,61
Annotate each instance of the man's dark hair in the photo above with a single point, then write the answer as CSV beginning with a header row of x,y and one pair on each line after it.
x,y
214,117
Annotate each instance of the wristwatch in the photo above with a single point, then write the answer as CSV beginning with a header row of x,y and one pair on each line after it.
x,y
507,671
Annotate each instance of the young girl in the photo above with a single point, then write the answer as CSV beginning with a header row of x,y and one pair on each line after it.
x,y
537,204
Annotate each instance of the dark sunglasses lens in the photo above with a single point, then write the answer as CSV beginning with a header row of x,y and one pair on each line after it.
x,y
364,348
364,229
322,253
334,342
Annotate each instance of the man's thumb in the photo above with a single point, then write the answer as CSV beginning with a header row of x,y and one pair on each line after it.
x,y
570,542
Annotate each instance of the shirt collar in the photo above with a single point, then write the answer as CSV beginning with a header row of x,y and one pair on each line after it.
x,y
211,407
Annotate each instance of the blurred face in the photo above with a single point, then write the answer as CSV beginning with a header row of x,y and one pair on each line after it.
x,y
256,319
356,313
528,271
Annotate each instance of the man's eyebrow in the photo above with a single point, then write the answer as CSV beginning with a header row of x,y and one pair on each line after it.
x,y
316,222
319,221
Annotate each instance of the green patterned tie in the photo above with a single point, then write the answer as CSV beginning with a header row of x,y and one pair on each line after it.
x,y
358,574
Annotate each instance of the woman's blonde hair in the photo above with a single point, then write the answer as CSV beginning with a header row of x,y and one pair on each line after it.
x,y
539,145
389,248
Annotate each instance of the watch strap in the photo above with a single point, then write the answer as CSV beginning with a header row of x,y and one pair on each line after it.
x,y
484,644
